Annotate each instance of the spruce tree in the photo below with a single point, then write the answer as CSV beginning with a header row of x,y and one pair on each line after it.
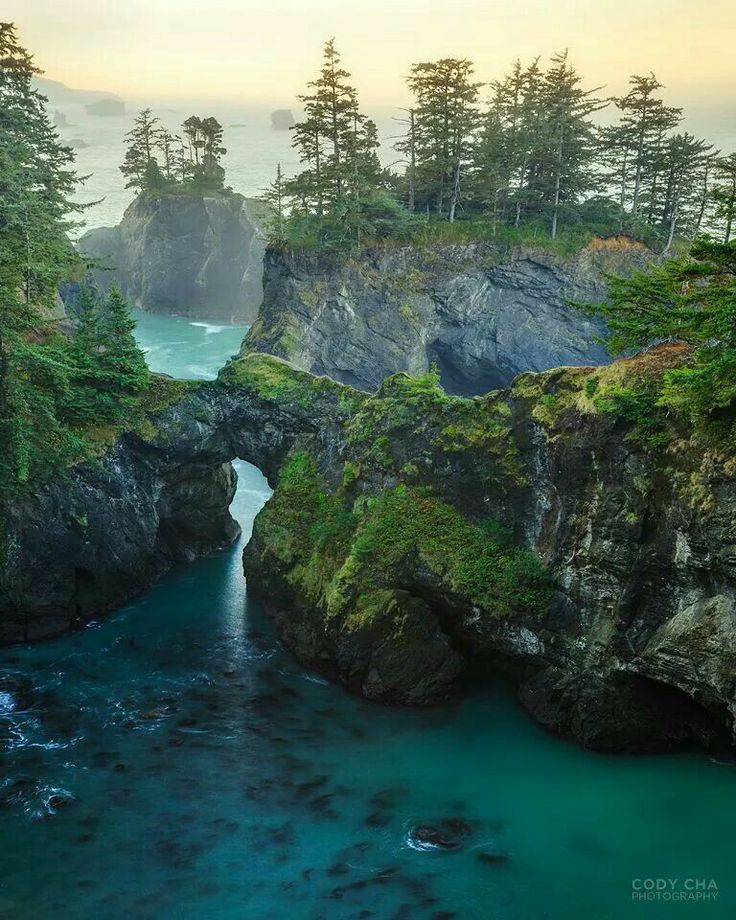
x,y
645,121
142,140
683,159
445,117
36,212
724,194
564,171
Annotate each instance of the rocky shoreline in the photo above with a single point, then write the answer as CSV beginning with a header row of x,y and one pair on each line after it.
x,y
415,537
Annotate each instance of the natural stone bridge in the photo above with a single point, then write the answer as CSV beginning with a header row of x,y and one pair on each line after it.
x,y
415,537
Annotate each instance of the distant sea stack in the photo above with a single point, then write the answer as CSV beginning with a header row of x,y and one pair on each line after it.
x,y
106,108
186,254
282,120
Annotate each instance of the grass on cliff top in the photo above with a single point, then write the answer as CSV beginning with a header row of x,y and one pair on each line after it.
x,y
628,387
274,379
405,406
343,555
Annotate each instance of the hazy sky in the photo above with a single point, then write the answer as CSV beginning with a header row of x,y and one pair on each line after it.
x,y
266,49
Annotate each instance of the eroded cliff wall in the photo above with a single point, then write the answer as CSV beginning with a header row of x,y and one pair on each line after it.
x,y
481,312
182,253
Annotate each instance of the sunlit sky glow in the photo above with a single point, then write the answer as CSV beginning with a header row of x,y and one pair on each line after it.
x,y
265,50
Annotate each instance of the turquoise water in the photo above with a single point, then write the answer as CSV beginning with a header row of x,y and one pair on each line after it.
x,y
209,776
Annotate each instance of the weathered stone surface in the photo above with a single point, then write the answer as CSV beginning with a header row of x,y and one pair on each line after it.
x,y
634,648
481,312
188,254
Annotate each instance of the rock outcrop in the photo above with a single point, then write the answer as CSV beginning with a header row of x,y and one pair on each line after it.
x,y
189,254
416,538
95,537
282,119
482,312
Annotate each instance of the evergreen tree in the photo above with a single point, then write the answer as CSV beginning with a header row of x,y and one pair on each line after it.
x,y
683,159
724,193
335,141
194,138
690,300
212,151
407,145
167,144
44,403
36,212
445,121
276,200
143,138
644,122
564,173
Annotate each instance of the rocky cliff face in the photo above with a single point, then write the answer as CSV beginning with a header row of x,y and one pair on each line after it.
x,y
481,312
416,538
90,540
187,254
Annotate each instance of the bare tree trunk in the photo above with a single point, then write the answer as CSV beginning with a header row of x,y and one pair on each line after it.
x,y
731,207
318,173
558,182
412,161
455,193
673,223
622,196
703,198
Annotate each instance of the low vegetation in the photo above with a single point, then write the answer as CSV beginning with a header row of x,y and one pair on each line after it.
x,y
690,302
345,551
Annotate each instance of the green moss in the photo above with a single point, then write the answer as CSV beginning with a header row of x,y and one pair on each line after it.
x,y
165,392
273,379
406,311
409,527
347,558
350,472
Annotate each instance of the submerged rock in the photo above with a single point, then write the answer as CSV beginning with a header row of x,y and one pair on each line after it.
x,y
448,834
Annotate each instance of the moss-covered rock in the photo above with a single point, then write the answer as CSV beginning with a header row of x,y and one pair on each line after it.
x,y
558,529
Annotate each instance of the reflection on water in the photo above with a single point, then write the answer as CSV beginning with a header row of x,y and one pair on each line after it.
x,y
173,762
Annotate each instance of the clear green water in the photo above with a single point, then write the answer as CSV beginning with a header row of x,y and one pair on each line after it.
x,y
215,779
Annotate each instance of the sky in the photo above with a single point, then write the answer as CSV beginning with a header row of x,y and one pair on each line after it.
x,y
266,50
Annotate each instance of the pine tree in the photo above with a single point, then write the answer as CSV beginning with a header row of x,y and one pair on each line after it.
x,y
690,300
167,144
44,399
334,140
644,122
142,141
276,199
683,159
445,120
194,138
407,145
212,151
724,193
36,211
564,173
